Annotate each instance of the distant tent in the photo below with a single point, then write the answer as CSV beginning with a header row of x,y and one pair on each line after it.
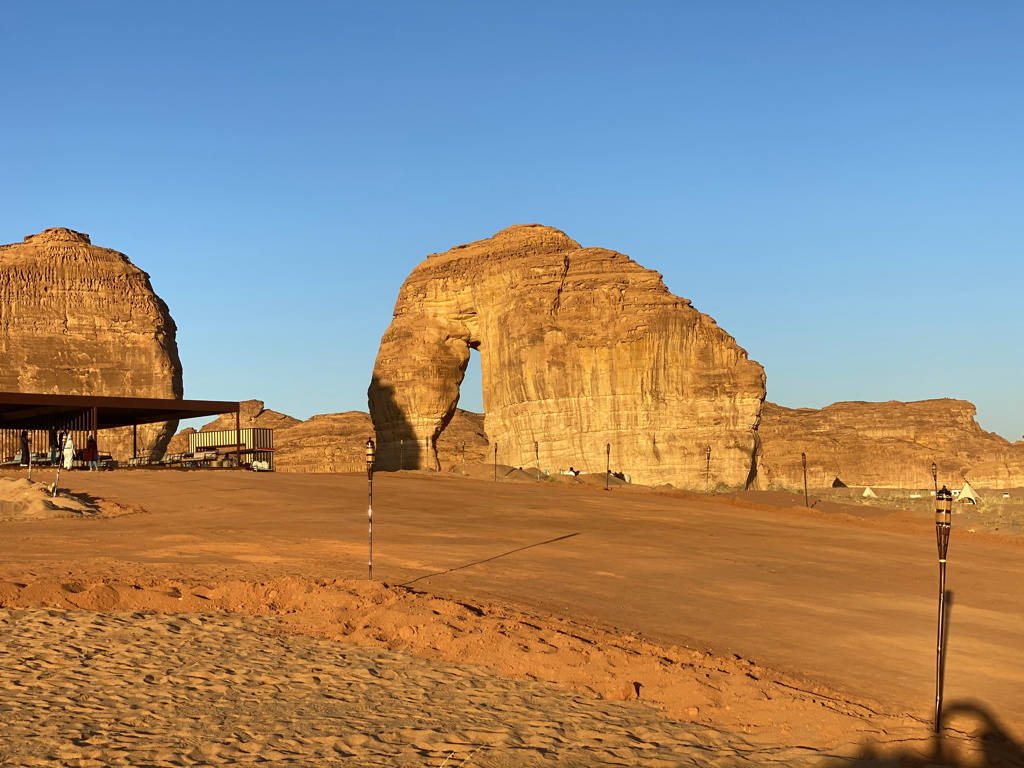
x,y
967,495
837,483
868,493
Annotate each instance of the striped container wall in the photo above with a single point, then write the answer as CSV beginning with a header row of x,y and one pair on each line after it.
x,y
252,439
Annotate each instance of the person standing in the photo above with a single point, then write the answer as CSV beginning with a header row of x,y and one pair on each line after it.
x,y
24,448
69,451
54,446
91,454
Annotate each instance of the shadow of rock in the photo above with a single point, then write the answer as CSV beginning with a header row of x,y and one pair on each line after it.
x,y
397,445
970,737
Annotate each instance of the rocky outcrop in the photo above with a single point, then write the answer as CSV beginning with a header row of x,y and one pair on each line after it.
x,y
251,415
77,319
889,444
581,348
334,442
329,442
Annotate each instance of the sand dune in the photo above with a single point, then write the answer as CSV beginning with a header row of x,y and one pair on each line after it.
x,y
120,688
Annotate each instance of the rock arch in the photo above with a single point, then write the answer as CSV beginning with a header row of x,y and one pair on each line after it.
x,y
580,348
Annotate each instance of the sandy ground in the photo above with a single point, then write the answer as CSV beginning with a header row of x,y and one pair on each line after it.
x,y
197,618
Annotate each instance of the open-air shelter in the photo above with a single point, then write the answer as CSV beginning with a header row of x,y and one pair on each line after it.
x,y
86,413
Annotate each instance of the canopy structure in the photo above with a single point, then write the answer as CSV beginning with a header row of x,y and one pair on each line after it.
x,y
967,495
22,411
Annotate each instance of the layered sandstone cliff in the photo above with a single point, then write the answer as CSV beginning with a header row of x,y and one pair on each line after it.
x,y
77,319
890,444
581,348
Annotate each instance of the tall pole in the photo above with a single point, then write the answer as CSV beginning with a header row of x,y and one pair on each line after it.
x,y
495,462
943,523
95,429
607,464
463,457
707,472
401,453
371,450
935,480
60,461
803,459
536,456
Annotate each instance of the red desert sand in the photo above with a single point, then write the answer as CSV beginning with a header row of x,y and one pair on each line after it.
x,y
167,618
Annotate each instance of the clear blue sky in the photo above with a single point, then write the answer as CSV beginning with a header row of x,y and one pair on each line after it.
x,y
839,184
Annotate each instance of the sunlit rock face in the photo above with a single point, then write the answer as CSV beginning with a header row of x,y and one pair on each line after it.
x,y
581,349
77,319
891,444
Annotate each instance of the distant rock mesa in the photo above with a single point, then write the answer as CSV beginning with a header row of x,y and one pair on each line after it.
x,y
581,348
889,445
77,319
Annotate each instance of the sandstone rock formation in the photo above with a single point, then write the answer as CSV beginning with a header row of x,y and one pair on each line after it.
x,y
77,319
334,442
581,348
889,444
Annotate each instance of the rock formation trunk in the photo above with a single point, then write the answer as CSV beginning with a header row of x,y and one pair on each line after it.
x,y
581,349
77,319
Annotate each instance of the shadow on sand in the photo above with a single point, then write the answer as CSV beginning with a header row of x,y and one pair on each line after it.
x,y
489,559
978,740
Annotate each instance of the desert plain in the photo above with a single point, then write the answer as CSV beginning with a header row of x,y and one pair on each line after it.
x,y
212,617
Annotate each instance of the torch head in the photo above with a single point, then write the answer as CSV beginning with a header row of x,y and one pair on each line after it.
x,y
943,507
371,453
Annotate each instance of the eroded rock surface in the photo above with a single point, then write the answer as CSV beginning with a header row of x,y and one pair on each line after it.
x,y
77,319
890,444
581,348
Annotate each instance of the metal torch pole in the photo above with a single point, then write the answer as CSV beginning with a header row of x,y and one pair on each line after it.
x,y
607,464
943,524
495,462
370,451
536,456
803,459
707,472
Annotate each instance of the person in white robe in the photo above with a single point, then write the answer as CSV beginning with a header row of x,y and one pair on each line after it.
x,y
69,451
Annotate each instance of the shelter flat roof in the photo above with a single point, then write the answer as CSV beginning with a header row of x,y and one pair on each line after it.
x,y
19,410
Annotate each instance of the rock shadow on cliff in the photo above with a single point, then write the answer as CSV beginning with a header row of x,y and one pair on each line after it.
x,y
400,449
